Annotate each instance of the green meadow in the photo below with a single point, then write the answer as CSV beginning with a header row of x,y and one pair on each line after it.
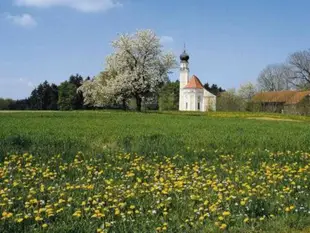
x,y
49,133
115,171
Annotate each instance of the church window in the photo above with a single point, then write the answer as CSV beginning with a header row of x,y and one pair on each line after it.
x,y
198,105
186,105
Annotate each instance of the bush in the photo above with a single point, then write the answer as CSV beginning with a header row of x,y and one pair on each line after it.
x,y
229,101
169,97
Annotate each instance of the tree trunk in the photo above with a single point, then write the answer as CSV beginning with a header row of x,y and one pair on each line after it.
x,y
139,103
124,104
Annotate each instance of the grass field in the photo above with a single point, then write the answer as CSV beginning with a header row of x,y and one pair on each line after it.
x,y
109,171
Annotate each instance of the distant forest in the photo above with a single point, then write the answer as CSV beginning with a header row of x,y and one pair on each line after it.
x,y
65,96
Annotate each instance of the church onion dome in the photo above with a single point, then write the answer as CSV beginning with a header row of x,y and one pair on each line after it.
x,y
184,56
194,83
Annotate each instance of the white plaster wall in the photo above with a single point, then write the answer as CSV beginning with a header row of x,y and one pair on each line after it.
x,y
184,78
199,97
209,101
186,95
191,97
184,74
192,102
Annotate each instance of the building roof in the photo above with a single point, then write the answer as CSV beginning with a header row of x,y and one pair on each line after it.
x,y
286,97
194,82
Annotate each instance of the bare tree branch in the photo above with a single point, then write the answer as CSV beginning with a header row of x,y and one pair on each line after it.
x,y
273,78
300,67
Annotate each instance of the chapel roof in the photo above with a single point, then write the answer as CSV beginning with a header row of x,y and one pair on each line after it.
x,y
194,82
286,97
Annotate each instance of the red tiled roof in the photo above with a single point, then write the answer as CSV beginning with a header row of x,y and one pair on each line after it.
x,y
194,82
286,97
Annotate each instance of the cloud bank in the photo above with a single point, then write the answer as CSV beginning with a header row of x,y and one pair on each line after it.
x,y
24,20
80,5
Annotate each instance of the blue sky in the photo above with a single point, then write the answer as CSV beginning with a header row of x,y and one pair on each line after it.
x,y
229,42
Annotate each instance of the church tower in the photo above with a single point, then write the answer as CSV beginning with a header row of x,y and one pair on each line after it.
x,y
184,77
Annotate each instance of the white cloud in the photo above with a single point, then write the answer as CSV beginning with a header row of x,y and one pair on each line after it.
x,y
166,39
26,82
80,5
24,20
30,84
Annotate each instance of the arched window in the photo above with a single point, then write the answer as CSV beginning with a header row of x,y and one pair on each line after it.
x,y
198,107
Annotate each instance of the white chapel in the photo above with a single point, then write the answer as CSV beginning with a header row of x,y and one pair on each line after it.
x,y
193,96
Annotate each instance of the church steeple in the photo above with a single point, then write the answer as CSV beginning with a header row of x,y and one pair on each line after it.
x,y
184,57
184,77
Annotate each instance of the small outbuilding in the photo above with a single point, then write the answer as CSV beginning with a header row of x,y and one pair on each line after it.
x,y
290,102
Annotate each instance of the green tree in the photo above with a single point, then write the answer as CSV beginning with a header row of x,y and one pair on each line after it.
x,y
22,104
77,81
214,89
66,96
169,96
53,104
5,103
44,97
69,96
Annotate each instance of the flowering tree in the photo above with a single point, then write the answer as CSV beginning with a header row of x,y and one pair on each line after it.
x,y
139,64
95,91
137,69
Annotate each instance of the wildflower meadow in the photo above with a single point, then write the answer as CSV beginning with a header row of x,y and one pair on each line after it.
x,y
106,171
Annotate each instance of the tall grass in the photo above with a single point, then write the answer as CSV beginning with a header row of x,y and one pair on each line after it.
x,y
165,134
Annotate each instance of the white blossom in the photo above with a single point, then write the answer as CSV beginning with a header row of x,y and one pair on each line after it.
x,y
138,67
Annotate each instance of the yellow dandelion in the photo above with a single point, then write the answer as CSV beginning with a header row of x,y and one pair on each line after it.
x,y
117,211
77,213
226,213
38,218
59,210
19,220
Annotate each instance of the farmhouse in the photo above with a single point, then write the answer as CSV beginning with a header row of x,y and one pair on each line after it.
x,y
291,102
193,96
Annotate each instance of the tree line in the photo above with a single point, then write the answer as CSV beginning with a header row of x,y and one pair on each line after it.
x,y
49,96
